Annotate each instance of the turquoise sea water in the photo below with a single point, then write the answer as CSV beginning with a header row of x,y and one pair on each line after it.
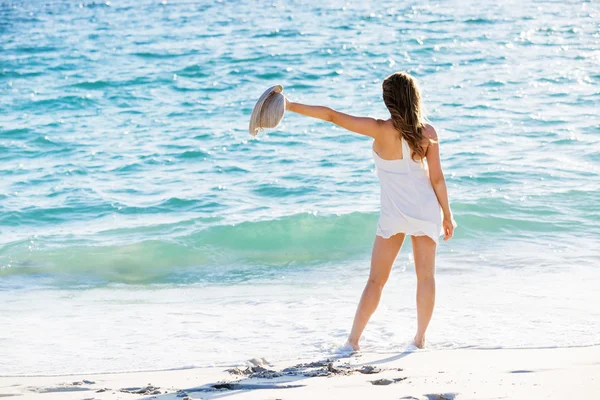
x,y
127,177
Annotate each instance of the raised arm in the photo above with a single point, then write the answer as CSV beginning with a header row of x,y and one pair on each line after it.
x,y
363,125
436,175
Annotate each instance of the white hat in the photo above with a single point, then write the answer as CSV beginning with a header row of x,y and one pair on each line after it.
x,y
268,111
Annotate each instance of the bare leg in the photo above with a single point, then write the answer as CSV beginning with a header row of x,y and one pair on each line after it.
x,y
424,249
383,257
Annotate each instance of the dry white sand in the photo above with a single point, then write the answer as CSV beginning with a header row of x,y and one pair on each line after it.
x,y
571,373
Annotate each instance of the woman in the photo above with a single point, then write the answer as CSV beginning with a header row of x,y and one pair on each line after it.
x,y
414,198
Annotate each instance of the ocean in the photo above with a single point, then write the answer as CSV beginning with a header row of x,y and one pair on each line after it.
x,y
142,228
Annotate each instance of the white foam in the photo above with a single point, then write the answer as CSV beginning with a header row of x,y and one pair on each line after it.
x,y
307,316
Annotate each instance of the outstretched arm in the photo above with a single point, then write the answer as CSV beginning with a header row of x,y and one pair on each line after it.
x,y
436,175
364,125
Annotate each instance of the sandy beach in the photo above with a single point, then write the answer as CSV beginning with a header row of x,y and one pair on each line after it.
x,y
564,373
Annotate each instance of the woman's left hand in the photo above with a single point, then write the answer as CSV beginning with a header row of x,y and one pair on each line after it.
x,y
448,226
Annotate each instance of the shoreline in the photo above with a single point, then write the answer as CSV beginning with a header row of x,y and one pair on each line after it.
x,y
434,374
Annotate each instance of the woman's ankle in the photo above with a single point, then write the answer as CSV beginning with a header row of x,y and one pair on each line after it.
x,y
354,344
419,340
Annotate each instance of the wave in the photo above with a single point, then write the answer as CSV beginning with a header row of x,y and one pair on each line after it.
x,y
481,21
206,250
241,252
159,55
133,82
63,103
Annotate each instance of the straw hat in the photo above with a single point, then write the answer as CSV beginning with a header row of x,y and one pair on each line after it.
x,y
268,111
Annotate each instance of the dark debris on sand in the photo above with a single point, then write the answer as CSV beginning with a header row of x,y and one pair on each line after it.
x,y
324,368
369,369
141,390
317,368
85,381
327,368
383,382
252,377
255,372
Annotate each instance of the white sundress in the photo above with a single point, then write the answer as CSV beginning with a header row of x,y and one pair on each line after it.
x,y
408,201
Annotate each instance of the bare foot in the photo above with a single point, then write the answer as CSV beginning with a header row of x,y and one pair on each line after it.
x,y
353,345
346,350
419,342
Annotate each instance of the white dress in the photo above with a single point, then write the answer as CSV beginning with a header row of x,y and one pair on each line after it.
x,y
408,201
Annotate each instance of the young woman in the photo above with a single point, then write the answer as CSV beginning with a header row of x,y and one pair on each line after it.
x,y
414,199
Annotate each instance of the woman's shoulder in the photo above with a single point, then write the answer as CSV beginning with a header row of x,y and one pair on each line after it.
x,y
429,132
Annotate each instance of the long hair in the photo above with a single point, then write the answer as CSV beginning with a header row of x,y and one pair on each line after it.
x,y
402,97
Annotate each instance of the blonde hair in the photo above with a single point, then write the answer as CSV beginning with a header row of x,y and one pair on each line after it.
x,y
268,111
402,98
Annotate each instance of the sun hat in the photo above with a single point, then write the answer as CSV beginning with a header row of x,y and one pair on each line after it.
x,y
268,111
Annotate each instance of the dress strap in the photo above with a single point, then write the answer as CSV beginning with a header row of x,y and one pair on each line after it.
x,y
405,150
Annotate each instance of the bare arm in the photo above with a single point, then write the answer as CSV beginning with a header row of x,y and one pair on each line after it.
x,y
363,125
436,175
